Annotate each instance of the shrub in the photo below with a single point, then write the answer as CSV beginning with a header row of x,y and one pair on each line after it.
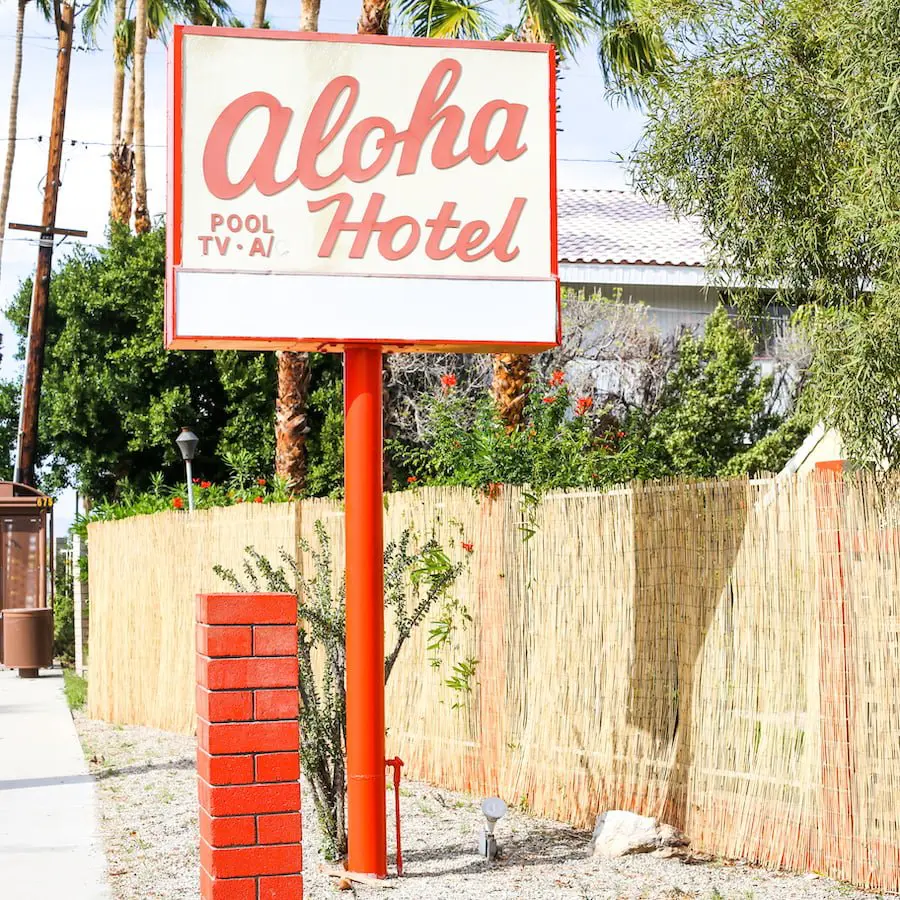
x,y
414,582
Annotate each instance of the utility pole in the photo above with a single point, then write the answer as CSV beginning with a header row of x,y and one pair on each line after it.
x,y
26,444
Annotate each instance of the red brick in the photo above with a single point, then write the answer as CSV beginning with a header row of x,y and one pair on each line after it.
x,y
224,706
227,889
225,640
224,769
281,704
247,609
245,799
277,767
282,828
225,738
275,640
243,673
281,887
229,831
240,862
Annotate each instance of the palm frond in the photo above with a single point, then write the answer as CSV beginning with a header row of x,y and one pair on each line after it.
x,y
93,17
630,49
567,24
457,19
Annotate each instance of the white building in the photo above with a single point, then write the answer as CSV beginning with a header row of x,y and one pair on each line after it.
x,y
620,245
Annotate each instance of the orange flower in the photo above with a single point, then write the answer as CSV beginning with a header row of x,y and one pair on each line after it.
x,y
205,484
557,378
448,380
548,399
412,479
260,481
257,499
583,404
178,503
468,547
239,500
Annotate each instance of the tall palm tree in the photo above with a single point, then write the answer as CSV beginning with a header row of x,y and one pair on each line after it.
x,y
630,45
158,17
12,129
259,14
141,213
292,399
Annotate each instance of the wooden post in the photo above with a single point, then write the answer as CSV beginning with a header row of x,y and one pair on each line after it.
x,y
26,446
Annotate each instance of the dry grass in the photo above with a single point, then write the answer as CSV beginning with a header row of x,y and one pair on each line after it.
x,y
723,655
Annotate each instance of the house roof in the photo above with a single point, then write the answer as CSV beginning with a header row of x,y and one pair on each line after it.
x,y
622,228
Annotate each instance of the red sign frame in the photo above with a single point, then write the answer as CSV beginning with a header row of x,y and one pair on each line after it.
x,y
175,341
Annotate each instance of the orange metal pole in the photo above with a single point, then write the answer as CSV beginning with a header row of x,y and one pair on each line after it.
x,y
363,499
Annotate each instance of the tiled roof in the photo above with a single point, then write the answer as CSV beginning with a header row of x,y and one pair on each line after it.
x,y
621,228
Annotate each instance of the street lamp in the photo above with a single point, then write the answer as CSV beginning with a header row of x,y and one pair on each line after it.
x,y
187,443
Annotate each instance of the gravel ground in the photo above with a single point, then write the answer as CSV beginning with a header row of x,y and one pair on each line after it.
x,y
147,792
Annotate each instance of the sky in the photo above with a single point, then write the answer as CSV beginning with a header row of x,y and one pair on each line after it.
x,y
595,133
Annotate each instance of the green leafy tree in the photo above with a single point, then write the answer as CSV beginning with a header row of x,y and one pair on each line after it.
x,y
9,424
113,398
775,122
713,405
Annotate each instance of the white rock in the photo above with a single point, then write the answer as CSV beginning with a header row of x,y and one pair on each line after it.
x,y
618,832
670,836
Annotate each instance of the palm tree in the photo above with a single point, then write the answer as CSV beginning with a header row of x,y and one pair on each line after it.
x,y
141,213
630,46
292,399
157,16
13,122
259,14
12,129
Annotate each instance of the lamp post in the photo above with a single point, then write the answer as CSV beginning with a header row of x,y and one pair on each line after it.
x,y
187,443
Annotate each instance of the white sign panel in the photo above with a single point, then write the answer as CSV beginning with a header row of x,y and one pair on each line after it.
x,y
329,189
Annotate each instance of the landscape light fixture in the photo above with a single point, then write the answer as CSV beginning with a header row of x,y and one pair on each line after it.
x,y
493,809
187,443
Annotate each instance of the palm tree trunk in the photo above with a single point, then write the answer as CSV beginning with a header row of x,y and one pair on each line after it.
x,y
291,420
117,157
309,15
374,17
291,402
141,215
509,385
13,122
123,165
259,14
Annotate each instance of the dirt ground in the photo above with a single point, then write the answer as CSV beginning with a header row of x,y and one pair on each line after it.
x,y
148,802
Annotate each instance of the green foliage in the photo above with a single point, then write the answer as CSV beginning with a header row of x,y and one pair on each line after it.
x,y
63,614
325,443
75,688
241,486
414,582
113,398
776,123
772,452
9,425
712,406
466,443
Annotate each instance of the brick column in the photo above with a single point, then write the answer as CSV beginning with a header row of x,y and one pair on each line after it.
x,y
248,761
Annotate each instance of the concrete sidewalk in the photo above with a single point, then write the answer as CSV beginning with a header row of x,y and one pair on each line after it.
x,y
50,845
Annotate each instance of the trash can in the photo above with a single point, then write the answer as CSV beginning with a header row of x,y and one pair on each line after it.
x,y
28,640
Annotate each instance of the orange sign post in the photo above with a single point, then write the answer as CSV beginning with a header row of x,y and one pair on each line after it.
x,y
361,195
364,510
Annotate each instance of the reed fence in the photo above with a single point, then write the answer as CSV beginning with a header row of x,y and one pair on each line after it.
x,y
724,655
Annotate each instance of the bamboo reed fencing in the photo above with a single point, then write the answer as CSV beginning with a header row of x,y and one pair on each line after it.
x,y
724,655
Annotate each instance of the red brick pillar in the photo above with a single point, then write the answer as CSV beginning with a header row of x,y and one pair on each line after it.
x,y
248,762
